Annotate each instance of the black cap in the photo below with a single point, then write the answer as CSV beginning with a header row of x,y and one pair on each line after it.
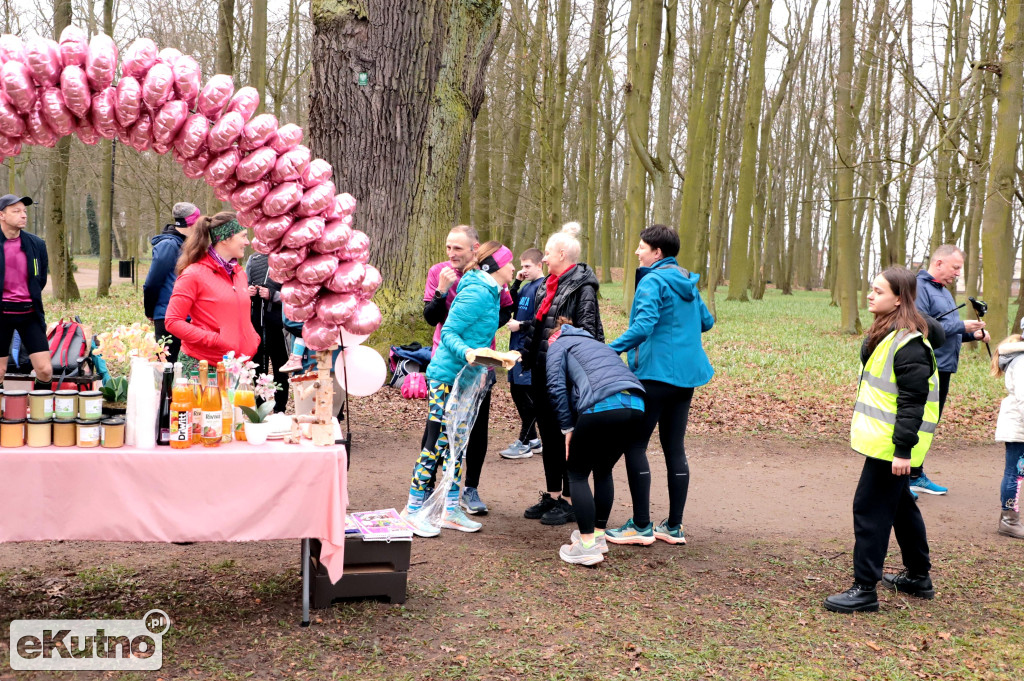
x,y
10,199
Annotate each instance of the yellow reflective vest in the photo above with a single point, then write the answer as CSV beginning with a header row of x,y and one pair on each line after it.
x,y
874,416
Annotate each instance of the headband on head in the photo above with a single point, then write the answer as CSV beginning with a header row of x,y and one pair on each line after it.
x,y
496,260
192,219
225,231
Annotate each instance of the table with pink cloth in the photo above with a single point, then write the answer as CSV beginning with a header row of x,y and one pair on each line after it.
x,y
234,492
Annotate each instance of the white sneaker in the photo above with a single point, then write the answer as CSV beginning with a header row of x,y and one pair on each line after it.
x,y
602,544
294,363
456,519
576,554
420,527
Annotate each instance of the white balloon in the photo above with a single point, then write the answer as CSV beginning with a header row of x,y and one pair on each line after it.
x,y
366,370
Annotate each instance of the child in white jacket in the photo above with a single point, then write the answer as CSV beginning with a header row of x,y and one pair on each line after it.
x,y
1007,362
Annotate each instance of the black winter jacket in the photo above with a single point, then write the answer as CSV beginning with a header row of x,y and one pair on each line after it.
x,y
38,265
913,365
575,298
265,314
581,372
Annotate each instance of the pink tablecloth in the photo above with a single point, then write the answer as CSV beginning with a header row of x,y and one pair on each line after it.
x,y
235,492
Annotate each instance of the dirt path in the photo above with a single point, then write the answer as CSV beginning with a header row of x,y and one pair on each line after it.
x,y
83,277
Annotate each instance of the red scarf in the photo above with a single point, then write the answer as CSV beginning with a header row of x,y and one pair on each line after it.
x,y
550,287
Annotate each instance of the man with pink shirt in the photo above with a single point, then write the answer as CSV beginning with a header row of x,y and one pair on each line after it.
x,y
23,271
442,285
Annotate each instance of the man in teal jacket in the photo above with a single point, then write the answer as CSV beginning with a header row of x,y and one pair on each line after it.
x,y
664,350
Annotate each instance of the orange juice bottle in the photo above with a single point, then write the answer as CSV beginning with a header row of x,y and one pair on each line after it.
x,y
226,406
213,416
181,415
196,386
244,397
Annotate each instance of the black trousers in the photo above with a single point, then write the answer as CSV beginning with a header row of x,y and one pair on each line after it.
x,y
174,347
273,353
943,391
527,414
883,504
598,442
555,475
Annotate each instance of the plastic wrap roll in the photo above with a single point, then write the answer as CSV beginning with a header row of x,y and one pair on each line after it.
x,y
215,96
158,86
74,47
169,121
258,132
138,58
75,88
101,62
192,136
225,131
42,56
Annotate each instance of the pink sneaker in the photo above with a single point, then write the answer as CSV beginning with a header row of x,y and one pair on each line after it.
x,y
294,363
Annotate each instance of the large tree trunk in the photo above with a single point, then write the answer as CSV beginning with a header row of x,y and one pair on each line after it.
x,y
258,52
225,37
997,224
106,186
591,100
845,254
400,144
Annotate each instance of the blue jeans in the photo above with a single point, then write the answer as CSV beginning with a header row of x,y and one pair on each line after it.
x,y
1013,477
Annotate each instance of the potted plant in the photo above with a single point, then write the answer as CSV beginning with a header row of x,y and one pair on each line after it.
x,y
256,427
116,349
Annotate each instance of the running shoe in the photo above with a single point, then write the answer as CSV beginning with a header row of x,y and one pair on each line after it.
x,y
577,554
420,527
536,446
923,485
537,511
516,450
602,543
559,514
631,534
455,519
667,533
472,502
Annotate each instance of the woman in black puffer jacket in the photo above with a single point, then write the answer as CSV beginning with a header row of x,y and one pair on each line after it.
x,y
569,291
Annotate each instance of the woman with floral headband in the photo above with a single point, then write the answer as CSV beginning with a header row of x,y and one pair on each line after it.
x,y
212,293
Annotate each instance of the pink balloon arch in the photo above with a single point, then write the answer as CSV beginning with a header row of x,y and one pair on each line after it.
x,y
261,168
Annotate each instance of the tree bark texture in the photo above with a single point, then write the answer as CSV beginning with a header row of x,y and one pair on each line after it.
x,y
845,255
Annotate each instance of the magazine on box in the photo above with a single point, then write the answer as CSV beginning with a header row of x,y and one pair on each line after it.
x,y
384,525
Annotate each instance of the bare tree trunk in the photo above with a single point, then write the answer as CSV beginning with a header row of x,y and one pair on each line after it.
x,y
106,186
226,37
408,130
481,187
258,52
845,257
591,100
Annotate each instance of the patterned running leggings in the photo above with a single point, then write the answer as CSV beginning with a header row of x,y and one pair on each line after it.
x,y
435,443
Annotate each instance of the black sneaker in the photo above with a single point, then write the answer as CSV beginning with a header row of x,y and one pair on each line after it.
x,y
858,598
905,583
561,514
537,511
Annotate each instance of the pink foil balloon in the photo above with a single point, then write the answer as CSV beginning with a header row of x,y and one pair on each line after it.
x,y
318,334
371,282
162,147
291,164
282,198
169,121
103,117
303,232
42,56
335,308
264,247
273,229
140,137
74,46
128,101
75,88
224,190
225,131
222,167
316,269
86,133
170,56
215,96
256,165
247,196
138,58
258,132
19,86
357,247
335,236
11,124
158,86
347,277
192,136
187,77
101,62
316,200
196,166
39,133
250,218
9,147
344,206
56,113
286,259
365,319
299,313
245,102
280,275
288,137
294,292
317,172
11,48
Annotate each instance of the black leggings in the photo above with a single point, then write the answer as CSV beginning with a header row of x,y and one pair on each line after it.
x,y
598,441
883,504
668,407
916,471
555,476
527,414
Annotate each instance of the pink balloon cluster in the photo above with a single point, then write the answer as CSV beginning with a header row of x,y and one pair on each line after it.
x,y
51,89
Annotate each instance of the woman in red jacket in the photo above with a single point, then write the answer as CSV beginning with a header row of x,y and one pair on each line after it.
x,y
212,293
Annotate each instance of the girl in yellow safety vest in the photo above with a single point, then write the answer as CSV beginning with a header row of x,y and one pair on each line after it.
x,y
894,418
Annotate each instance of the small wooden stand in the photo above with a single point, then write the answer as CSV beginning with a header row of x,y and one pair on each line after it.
x,y
322,429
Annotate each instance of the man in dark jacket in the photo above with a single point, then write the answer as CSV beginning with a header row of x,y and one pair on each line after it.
x,y
23,271
156,292
268,320
935,300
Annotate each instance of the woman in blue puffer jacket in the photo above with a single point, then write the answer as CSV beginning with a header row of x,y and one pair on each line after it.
x,y
663,346
471,324
599,405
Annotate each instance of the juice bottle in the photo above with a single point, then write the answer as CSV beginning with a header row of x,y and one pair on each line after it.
x,y
226,402
244,397
213,416
182,401
197,408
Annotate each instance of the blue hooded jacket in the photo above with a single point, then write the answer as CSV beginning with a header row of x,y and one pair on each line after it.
x,y
582,372
665,326
472,322
526,309
156,292
934,299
